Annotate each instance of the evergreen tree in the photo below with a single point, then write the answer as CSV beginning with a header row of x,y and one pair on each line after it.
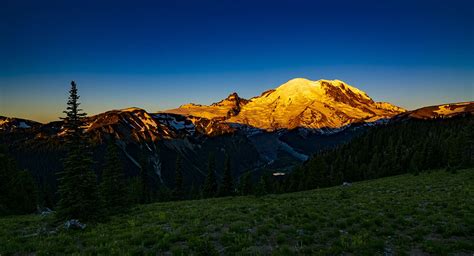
x,y
162,194
24,193
245,184
454,154
134,190
261,187
6,173
373,167
227,188
144,182
470,144
112,188
336,176
465,145
413,167
210,184
45,195
77,182
178,192
321,177
18,194
194,192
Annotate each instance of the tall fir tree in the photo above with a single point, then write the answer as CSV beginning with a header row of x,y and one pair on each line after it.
x,y
178,192
414,163
227,188
261,187
144,180
455,155
321,176
210,184
112,188
245,184
18,193
77,182
194,192
337,176
134,190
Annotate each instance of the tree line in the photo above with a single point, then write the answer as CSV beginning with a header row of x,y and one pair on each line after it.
x,y
412,146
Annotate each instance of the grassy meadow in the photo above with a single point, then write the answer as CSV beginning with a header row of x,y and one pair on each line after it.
x,y
431,213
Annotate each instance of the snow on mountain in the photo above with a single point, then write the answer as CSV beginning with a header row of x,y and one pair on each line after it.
x,y
322,104
312,104
176,122
225,108
11,123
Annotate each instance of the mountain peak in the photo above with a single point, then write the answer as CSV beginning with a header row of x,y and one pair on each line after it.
x,y
321,89
233,96
232,99
301,102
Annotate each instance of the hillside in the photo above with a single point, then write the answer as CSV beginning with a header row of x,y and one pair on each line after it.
x,y
429,213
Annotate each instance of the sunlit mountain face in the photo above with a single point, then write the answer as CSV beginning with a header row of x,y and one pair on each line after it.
x,y
299,103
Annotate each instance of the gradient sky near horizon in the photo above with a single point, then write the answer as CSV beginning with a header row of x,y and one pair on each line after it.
x,y
158,55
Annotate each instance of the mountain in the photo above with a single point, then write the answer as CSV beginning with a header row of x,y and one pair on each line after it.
x,y
298,103
439,111
8,124
276,130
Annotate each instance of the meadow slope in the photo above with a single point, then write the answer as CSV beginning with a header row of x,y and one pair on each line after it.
x,y
430,213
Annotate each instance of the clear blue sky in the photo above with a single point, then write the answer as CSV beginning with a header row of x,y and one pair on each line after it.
x,y
161,54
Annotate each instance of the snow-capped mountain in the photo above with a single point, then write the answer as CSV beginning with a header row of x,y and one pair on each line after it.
x,y
299,103
12,124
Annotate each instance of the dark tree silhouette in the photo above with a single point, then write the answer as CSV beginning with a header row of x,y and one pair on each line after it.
x,y
112,188
144,181
178,192
18,193
77,182
210,184
261,187
245,184
227,188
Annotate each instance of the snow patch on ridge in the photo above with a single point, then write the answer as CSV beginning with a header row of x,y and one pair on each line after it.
x,y
23,125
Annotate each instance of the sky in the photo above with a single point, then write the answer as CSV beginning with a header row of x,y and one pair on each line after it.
x,y
159,55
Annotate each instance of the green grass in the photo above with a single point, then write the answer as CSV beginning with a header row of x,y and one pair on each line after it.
x,y
431,213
